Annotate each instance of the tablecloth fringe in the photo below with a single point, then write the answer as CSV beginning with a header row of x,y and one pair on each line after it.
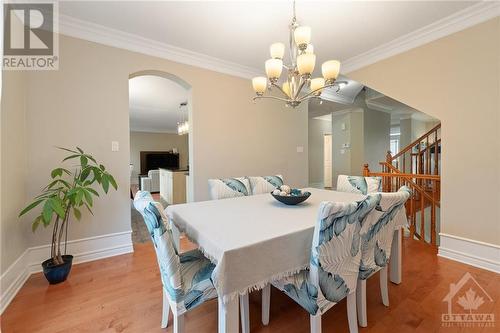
x,y
260,285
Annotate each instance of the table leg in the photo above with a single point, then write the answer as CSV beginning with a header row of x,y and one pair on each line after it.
x,y
396,256
228,316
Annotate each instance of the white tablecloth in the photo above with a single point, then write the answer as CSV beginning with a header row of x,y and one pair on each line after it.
x,y
253,240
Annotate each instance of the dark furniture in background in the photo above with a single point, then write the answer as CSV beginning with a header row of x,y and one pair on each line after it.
x,y
151,160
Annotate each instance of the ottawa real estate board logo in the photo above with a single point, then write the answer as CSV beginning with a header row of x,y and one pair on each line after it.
x,y
30,39
468,305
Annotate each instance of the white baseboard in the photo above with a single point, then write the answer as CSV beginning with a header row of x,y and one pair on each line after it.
x,y
471,252
83,250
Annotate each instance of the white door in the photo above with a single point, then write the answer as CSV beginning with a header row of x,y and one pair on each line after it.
x,y
327,157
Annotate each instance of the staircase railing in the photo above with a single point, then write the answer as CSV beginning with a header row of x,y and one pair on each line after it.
x,y
422,156
423,203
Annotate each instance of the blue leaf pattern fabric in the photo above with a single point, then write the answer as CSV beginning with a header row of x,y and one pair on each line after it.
x,y
228,188
359,184
186,277
266,184
335,256
377,233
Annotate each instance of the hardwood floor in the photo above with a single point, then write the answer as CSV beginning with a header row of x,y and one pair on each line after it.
x,y
123,294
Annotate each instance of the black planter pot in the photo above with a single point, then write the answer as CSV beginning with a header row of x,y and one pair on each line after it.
x,y
57,273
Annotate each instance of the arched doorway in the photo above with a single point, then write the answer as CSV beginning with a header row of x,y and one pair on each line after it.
x,y
160,140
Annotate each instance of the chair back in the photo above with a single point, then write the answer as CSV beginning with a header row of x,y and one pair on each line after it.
x,y
359,184
228,188
161,235
266,184
336,255
378,232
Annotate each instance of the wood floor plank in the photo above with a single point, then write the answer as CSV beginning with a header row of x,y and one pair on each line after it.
x,y
123,294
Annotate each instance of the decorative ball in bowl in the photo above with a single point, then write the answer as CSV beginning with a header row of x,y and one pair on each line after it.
x,y
285,194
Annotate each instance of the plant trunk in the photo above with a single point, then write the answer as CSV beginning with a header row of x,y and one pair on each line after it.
x,y
58,258
54,237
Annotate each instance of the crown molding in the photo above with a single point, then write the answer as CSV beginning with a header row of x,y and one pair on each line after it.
x,y
97,33
461,20
458,21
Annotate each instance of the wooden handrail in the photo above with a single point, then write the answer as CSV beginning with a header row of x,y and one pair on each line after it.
x,y
423,151
408,177
415,142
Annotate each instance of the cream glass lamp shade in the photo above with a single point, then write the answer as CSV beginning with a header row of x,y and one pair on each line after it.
x,y
317,83
302,35
305,63
310,48
286,88
330,69
273,68
277,50
259,84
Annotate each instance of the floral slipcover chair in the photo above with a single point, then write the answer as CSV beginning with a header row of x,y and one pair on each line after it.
x,y
335,259
376,242
359,184
186,277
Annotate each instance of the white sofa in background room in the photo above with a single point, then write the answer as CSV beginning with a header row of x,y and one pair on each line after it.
x,y
151,183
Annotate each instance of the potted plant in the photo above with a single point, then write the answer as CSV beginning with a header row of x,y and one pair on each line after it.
x,y
65,195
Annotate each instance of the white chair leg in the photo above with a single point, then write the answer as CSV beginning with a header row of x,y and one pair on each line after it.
x,y
383,286
361,303
351,313
266,304
165,310
315,323
179,323
244,313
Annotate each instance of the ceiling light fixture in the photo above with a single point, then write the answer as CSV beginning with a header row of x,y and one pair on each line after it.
x,y
302,63
183,124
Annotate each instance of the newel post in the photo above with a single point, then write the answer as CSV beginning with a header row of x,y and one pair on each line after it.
x,y
366,170
388,157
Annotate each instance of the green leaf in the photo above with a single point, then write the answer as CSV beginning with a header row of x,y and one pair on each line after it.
x,y
57,206
35,224
69,150
88,208
79,197
85,173
71,157
112,181
88,197
105,183
83,161
91,190
30,207
102,167
80,150
91,158
97,174
77,213
47,212
56,172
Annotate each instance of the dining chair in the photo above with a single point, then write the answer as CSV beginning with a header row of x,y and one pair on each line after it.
x,y
359,184
223,188
334,265
266,184
377,235
186,277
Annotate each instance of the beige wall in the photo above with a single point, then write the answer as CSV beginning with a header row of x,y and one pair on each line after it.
x,y
85,103
145,141
317,130
13,171
456,79
377,128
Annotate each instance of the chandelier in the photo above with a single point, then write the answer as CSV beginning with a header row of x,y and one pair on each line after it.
x,y
183,124
298,72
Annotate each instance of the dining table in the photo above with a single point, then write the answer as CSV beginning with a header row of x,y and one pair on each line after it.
x,y
254,240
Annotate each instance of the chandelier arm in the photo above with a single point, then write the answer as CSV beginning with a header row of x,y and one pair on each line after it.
x,y
280,89
319,89
271,97
301,85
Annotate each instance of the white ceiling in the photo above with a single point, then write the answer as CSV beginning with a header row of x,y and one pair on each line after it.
x,y
241,31
154,104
